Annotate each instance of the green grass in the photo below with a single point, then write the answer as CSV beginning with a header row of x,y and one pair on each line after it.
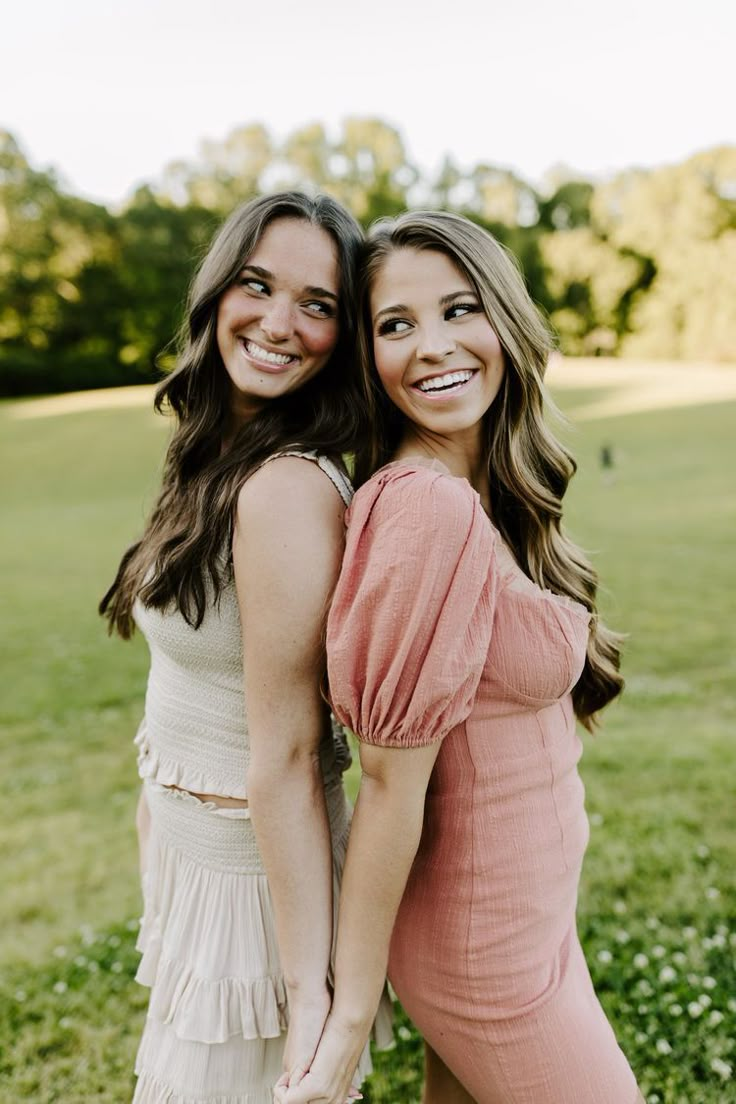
x,y
660,878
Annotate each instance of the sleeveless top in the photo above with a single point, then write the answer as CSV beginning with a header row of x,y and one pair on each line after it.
x,y
194,733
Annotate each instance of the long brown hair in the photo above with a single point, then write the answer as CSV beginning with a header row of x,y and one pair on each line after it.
x,y
179,558
529,469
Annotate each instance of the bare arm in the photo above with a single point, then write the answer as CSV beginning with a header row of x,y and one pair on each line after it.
x,y
384,838
286,553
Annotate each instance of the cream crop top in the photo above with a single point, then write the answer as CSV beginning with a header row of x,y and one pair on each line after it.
x,y
193,734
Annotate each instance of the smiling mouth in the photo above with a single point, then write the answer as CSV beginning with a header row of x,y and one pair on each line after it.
x,y
446,384
263,356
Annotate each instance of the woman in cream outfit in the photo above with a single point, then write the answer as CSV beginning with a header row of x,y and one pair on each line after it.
x,y
242,815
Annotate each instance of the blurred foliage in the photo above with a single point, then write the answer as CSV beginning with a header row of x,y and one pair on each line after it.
x,y
643,264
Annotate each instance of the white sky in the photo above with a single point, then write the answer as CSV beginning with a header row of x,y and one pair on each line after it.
x,y
109,91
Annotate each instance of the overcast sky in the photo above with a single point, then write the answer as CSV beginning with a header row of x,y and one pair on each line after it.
x,y
109,92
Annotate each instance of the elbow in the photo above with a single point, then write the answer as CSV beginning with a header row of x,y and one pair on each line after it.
x,y
400,805
283,770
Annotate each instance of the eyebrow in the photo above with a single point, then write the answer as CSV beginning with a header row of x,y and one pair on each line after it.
x,y
319,292
445,300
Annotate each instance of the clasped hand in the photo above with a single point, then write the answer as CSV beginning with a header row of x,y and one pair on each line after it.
x,y
329,1077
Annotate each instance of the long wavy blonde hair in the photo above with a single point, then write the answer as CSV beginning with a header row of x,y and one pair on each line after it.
x,y
529,469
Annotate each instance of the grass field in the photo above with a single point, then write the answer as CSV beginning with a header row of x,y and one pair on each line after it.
x,y
658,899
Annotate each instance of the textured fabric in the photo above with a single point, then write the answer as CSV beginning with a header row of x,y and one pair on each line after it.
x,y
218,1006
193,731
218,1011
436,634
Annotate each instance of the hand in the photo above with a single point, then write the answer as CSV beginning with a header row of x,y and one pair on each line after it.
x,y
307,1016
330,1075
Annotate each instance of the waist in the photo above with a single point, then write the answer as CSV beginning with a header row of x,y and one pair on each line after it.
x,y
216,771
223,838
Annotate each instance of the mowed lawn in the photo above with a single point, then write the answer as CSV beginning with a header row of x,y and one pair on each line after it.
x,y
658,899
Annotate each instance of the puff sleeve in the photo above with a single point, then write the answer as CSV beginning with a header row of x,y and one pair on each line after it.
x,y
410,623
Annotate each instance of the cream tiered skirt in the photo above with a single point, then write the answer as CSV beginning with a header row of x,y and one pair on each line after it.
x,y
218,1009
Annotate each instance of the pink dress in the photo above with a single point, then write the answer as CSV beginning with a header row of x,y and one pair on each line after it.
x,y
436,634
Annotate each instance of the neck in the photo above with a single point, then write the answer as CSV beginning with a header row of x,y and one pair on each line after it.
x,y
462,455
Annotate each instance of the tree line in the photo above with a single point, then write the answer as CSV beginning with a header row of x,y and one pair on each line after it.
x,y
643,264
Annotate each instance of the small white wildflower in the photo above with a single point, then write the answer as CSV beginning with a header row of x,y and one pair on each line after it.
x,y
641,961
695,1009
620,907
404,1033
668,998
60,952
715,1018
712,893
60,987
654,1098
718,941
702,851
709,983
643,1009
675,1009
641,1038
93,967
117,967
644,987
723,1069
114,941
622,936
595,819
87,934
80,960
707,943
658,951
704,1000
605,957
65,1022
731,1004
679,958
21,995
667,973
133,924
722,930
663,1047
652,923
689,932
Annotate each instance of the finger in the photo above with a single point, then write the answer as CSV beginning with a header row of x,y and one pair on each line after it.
x,y
296,1076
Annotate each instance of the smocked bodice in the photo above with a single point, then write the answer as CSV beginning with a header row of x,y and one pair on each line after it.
x,y
194,732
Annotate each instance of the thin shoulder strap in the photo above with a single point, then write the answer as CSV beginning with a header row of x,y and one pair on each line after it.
x,y
338,476
334,473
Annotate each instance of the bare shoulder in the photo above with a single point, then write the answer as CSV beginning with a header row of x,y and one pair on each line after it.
x,y
291,488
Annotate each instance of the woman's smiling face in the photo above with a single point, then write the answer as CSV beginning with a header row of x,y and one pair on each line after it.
x,y
436,353
277,325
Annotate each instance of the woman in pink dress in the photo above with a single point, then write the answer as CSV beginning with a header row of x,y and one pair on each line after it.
x,y
463,641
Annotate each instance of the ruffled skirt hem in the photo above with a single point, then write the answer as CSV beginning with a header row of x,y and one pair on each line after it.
x,y
218,1009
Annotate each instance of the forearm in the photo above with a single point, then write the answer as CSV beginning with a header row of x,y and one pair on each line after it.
x,y
289,815
384,838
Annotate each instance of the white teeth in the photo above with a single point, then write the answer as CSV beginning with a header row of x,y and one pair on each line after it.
x,y
439,382
258,353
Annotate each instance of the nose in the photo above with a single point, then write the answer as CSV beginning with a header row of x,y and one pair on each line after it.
x,y
277,320
435,343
